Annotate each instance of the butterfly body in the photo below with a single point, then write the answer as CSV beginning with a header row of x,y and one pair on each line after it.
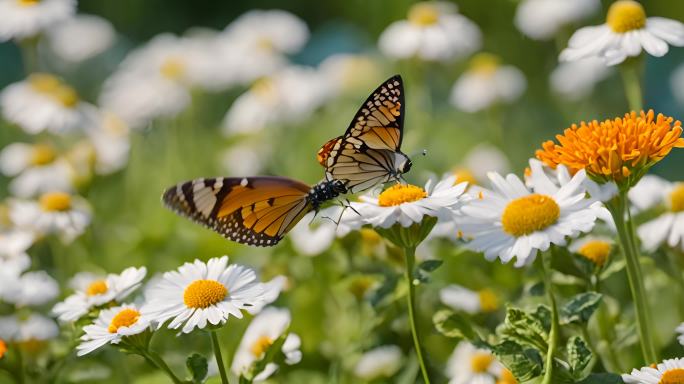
x,y
325,191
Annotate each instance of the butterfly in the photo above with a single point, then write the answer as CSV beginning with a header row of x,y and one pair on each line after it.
x,y
261,210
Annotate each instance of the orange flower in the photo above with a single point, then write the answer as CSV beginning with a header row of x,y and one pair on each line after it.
x,y
3,348
619,150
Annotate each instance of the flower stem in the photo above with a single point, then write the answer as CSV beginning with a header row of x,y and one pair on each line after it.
x,y
156,360
619,209
219,358
630,78
553,333
410,254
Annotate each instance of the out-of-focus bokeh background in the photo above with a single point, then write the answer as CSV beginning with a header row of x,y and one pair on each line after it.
x,y
184,89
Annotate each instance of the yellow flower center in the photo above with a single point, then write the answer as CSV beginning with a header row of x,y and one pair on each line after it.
x,y
370,237
42,154
28,3
485,63
97,287
3,348
399,194
260,346
265,44
626,15
672,376
360,285
488,300
481,361
264,88
528,214
125,318
464,175
507,377
204,293
51,86
596,251
172,68
55,202
677,198
423,14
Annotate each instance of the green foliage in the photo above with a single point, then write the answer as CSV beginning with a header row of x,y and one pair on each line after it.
x,y
524,363
198,367
454,325
580,308
579,356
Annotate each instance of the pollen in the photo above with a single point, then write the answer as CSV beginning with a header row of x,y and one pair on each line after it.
x,y
484,63
55,202
464,175
204,293
97,287
125,318
480,362
529,214
613,150
672,376
42,154
172,68
626,15
677,198
423,14
488,300
506,377
596,251
260,346
399,194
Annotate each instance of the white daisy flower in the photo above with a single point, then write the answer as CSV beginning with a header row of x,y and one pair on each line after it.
x,y
20,19
31,289
648,192
93,291
10,270
512,221
408,204
468,364
542,19
111,327
14,243
561,176
596,249
486,83
626,32
42,102
81,37
59,213
669,371
379,363
267,327
680,332
272,289
201,293
576,79
469,301
350,73
36,169
32,328
433,31
668,227
287,97
312,237
110,139
248,157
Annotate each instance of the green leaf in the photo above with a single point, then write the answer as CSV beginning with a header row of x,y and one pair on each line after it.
x,y
198,367
602,378
452,324
615,266
527,328
430,265
580,308
579,356
524,363
388,286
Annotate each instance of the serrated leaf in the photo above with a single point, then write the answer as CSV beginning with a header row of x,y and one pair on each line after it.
x,y
524,363
579,356
602,378
580,308
452,324
198,367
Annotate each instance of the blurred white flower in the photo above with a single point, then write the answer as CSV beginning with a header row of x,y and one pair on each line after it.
x,y
486,83
266,327
669,226
246,158
93,291
626,32
648,192
54,213
42,102
576,79
81,37
433,31
31,288
199,293
680,333
32,328
677,84
469,301
10,270
596,249
272,289
468,365
513,221
111,326
36,168
347,73
287,97
312,237
20,19
379,363
541,19
14,243
484,158
110,139
669,371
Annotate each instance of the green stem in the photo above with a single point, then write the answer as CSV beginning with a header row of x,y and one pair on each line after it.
x,y
29,53
553,333
410,253
21,378
219,358
619,209
630,78
672,257
605,329
156,360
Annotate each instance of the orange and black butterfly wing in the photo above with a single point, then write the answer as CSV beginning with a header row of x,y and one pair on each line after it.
x,y
251,210
360,167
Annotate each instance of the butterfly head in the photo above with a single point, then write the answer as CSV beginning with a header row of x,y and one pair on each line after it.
x,y
402,164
